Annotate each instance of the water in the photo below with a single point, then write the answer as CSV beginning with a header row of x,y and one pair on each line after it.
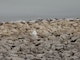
x,y
12,10
27,18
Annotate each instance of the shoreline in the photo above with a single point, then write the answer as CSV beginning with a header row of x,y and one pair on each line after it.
x,y
16,20
40,23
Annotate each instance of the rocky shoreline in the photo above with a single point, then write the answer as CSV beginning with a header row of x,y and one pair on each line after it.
x,y
40,40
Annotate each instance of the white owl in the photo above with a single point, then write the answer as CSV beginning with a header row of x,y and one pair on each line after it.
x,y
34,34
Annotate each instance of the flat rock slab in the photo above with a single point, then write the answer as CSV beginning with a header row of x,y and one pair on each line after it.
x,y
40,40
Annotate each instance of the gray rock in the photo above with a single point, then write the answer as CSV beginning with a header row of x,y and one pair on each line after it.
x,y
40,40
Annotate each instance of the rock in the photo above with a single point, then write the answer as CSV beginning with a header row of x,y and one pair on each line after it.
x,y
40,55
52,39
43,33
17,58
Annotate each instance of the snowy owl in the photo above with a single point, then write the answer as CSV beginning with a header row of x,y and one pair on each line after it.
x,y
34,33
